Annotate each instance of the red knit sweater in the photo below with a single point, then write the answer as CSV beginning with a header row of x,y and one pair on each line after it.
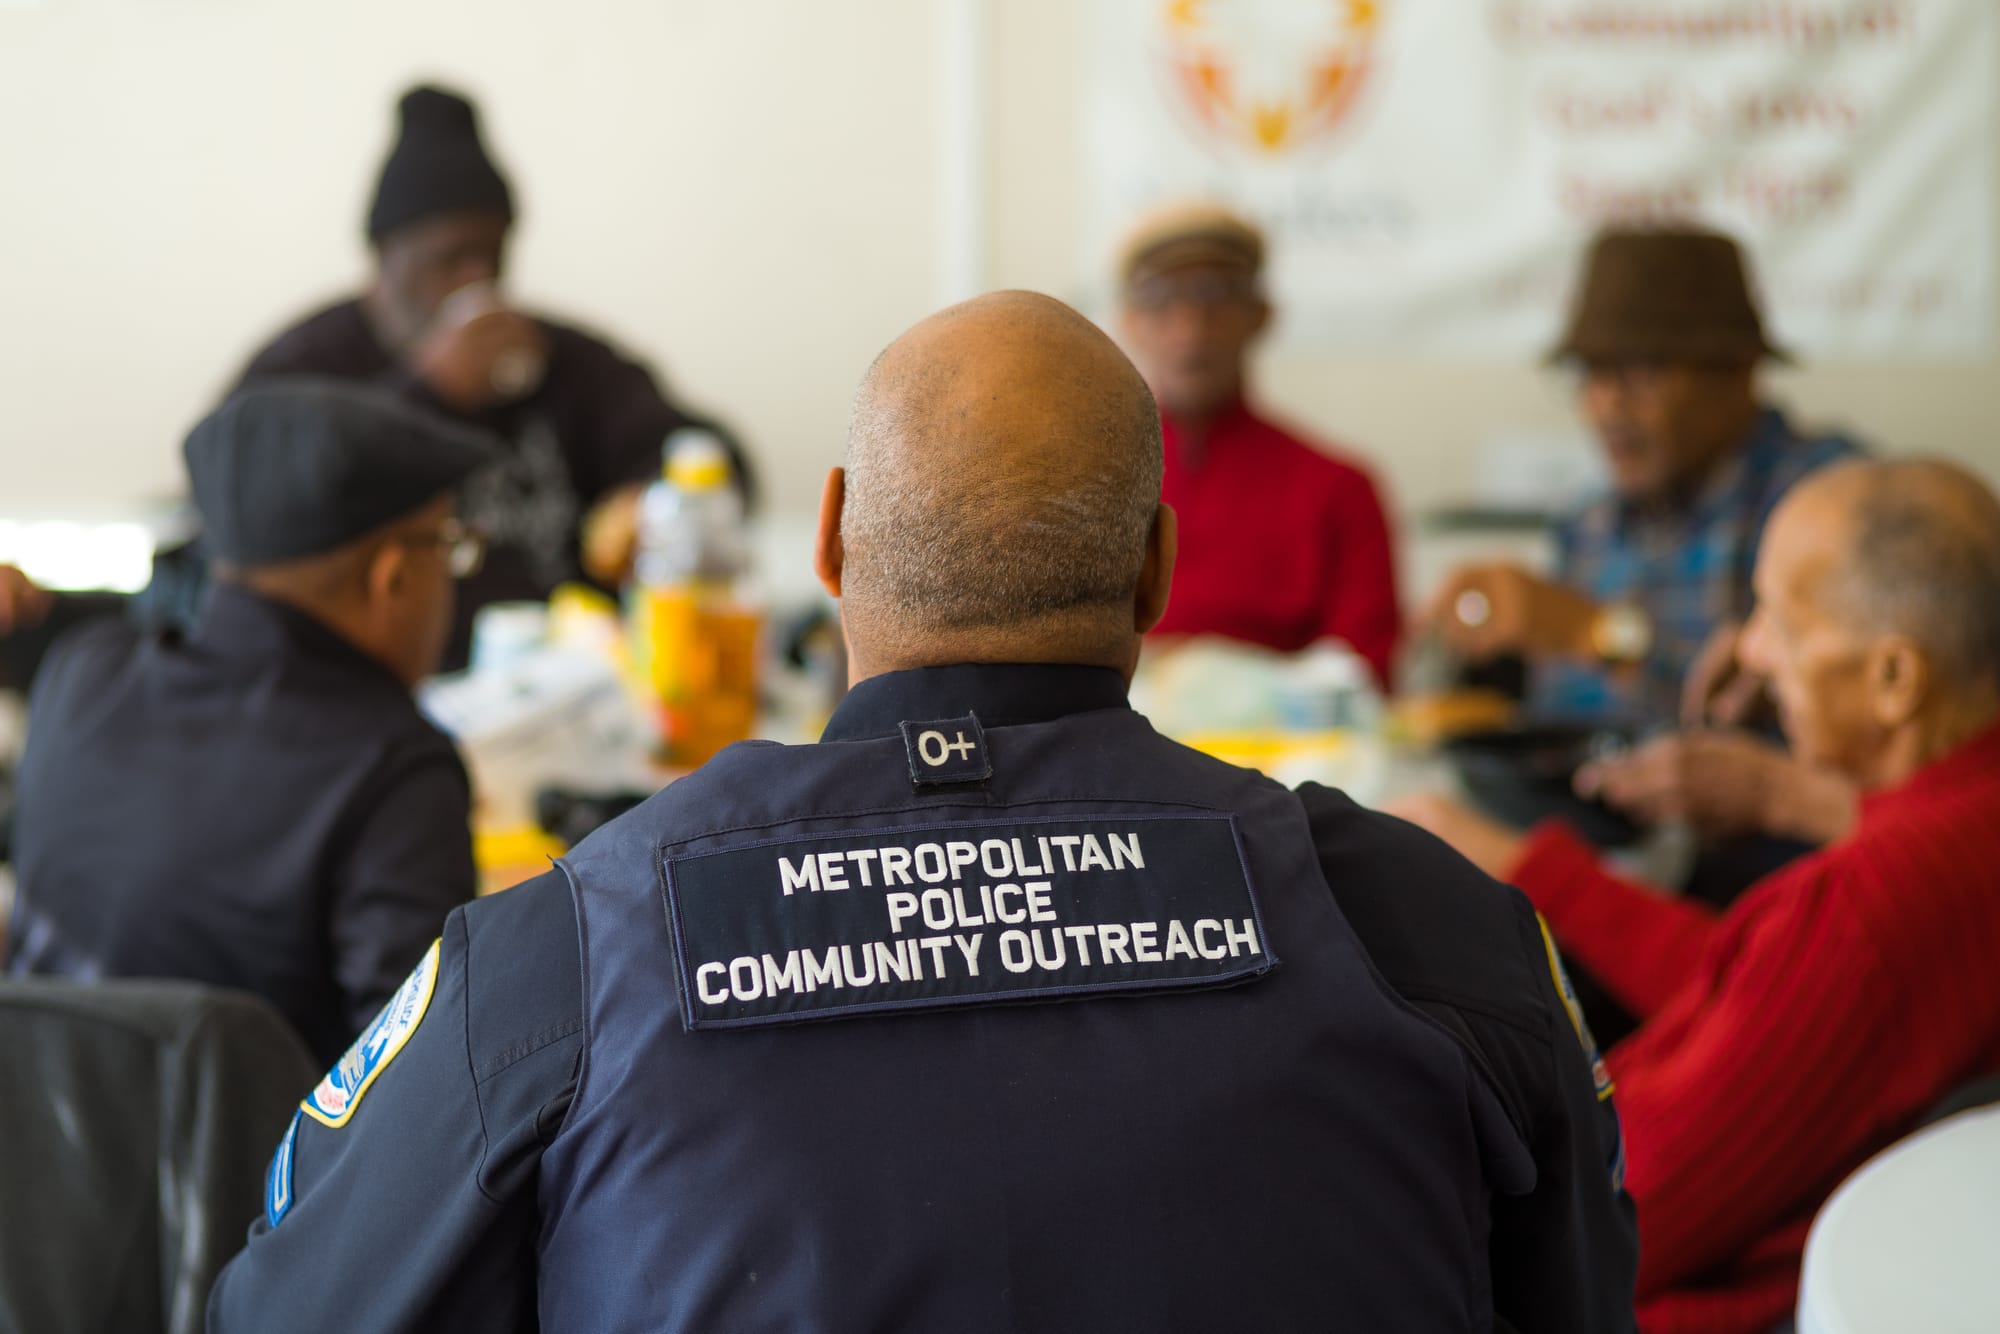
x,y
1791,1038
1281,543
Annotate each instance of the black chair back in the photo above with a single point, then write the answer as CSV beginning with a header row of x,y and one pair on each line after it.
x,y
137,1119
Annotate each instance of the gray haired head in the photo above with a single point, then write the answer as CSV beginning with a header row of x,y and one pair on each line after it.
x,y
1002,483
1925,562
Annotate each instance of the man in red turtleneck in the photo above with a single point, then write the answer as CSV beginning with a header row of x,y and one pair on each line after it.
x,y
1283,542
1793,1036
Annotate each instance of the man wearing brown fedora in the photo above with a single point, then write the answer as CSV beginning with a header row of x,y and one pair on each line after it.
x,y
1667,341
1283,542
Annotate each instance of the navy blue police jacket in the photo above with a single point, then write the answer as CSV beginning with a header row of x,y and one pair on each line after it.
x,y
253,803
993,1011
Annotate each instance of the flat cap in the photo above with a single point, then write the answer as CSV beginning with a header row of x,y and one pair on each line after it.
x,y
296,466
1177,235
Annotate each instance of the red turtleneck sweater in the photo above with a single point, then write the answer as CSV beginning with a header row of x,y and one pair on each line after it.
x,y
1281,543
1786,1041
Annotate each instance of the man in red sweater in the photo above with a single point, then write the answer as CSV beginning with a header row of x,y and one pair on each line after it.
x,y
1787,1040
1283,542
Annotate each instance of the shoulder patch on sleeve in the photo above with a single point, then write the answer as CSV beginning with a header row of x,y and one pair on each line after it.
x,y
333,1100
278,1180
1600,1074
1598,1070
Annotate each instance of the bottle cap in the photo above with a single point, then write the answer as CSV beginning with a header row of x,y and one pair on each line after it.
x,y
696,461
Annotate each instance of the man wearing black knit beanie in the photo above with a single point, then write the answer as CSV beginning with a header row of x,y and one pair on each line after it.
x,y
582,424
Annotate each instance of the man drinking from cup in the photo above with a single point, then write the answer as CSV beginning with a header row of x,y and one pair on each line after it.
x,y
582,424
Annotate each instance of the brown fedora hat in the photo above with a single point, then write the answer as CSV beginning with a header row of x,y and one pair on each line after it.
x,y
1665,294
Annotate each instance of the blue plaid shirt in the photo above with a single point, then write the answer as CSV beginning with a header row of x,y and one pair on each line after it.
x,y
1689,569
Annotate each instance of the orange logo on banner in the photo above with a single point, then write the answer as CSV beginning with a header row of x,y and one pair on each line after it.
x,y
1270,82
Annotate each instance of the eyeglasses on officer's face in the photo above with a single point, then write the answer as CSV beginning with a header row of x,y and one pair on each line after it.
x,y
464,546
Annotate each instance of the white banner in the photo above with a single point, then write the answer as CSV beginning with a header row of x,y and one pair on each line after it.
x,y
1430,170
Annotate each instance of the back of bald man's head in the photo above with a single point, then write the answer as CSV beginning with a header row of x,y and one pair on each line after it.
x,y
1003,473
1922,559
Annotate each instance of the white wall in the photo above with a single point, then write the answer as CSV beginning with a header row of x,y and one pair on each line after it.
x,y
745,191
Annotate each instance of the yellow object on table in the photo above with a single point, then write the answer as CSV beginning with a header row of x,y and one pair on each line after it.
x,y
1429,719
694,657
1267,751
505,857
1355,761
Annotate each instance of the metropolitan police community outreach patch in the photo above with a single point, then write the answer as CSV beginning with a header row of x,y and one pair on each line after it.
x,y
961,914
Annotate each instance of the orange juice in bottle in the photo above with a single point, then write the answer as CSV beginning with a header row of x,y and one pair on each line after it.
x,y
694,632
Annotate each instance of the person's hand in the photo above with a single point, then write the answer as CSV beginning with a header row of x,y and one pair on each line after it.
x,y
1483,611
23,602
1487,844
610,537
1723,783
1715,781
496,356
1718,688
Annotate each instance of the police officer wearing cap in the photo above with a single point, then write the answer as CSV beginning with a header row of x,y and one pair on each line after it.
x,y
257,803
992,1011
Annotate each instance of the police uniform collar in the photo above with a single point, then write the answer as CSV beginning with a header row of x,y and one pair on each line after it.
x,y
1002,694
238,623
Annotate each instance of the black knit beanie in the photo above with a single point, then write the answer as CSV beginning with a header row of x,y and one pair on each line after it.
x,y
437,166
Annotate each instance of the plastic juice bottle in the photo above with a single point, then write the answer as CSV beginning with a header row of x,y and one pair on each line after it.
x,y
694,631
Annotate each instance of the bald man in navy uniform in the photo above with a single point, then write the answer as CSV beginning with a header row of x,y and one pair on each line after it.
x,y
992,1011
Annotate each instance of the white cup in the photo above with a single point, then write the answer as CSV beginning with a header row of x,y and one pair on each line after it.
x,y
515,373
503,633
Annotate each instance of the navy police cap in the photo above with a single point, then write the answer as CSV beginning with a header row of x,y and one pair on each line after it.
x,y
296,466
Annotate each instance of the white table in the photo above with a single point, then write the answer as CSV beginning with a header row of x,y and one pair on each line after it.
x,y
1911,1242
